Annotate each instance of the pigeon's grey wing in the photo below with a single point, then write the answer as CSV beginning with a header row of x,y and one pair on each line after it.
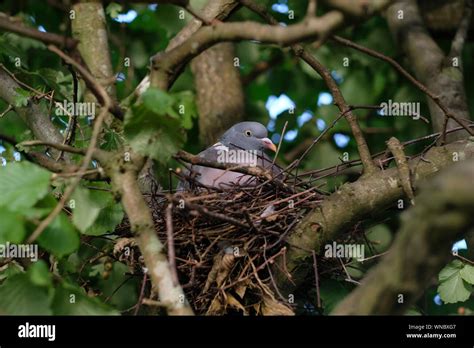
x,y
217,177
214,177
225,179
196,171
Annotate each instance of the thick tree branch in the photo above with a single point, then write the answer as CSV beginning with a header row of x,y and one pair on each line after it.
x,y
125,180
33,115
439,74
165,64
16,26
354,201
219,108
89,28
214,10
457,44
124,177
358,8
442,214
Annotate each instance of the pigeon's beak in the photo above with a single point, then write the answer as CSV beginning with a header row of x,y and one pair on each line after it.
x,y
267,143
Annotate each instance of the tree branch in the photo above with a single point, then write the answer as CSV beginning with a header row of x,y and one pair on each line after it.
x,y
354,201
219,108
443,213
358,8
16,26
440,75
362,147
214,10
39,122
165,64
369,166
436,99
98,90
124,177
89,27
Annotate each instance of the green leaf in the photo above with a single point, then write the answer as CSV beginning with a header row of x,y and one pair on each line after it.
x,y
10,269
20,296
12,227
39,274
108,219
22,184
59,237
119,286
21,98
153,127
85,209
110,214
113,10
186,107
467,273
452,287
157,101
70,299
450,270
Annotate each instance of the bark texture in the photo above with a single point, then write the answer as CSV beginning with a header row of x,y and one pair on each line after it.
x,y
443,213
220,98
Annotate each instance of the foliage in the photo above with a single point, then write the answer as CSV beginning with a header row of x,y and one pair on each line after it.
x,y
79,271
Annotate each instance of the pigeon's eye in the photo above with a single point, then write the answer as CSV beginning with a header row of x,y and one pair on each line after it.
x,y
248,133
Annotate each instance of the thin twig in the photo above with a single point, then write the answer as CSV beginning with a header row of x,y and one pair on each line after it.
x,y
170,237
436,99
142,294
316,279
89,153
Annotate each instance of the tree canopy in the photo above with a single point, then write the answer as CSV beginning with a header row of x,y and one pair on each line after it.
x,y
105,104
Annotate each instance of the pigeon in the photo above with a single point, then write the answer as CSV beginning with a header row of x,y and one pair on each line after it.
x,y
241,145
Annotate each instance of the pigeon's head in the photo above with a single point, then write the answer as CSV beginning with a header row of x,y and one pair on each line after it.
x,y
248,136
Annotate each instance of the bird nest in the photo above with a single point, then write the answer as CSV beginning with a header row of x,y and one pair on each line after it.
x,y
227,244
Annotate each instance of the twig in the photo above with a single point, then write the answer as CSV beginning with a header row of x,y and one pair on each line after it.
x,y
463,258
7,110
396,149
280,142
316,279
170,237
205,211
312,8
88,155
61,147
436,99
196,14
96,88
196,160
142,294
348,276
15,26
369,166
